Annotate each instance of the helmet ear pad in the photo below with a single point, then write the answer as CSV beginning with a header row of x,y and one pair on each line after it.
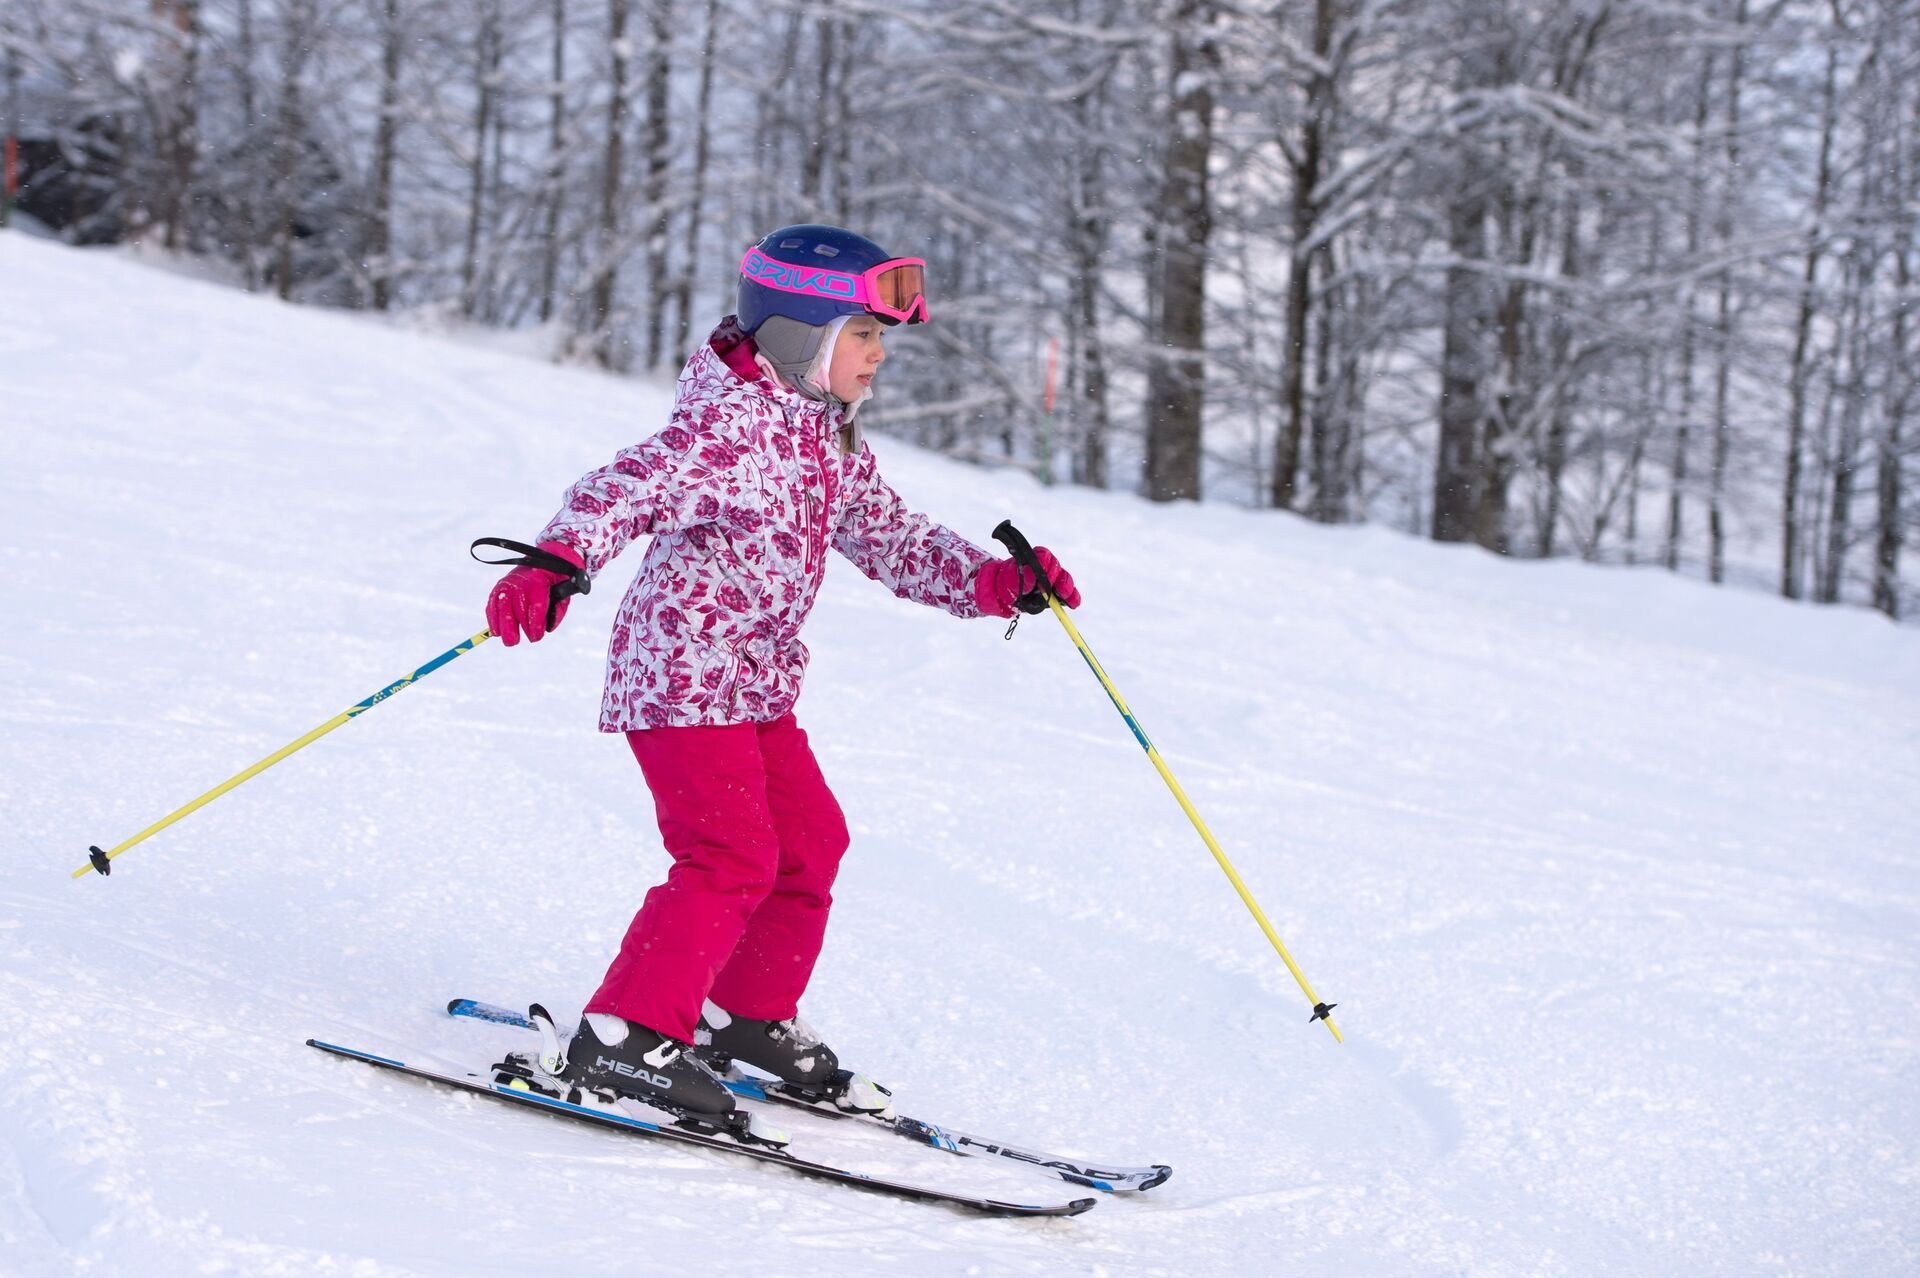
x,y
790,344
791,347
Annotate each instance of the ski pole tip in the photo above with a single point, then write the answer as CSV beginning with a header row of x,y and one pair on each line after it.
x,y
99,860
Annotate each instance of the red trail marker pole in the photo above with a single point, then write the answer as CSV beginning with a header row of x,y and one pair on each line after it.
x,y
10,182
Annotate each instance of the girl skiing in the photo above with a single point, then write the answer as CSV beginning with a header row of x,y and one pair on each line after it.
x,y
761,470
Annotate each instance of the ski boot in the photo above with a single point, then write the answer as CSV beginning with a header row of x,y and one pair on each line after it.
x,y
647,1066
638,1065
790,1050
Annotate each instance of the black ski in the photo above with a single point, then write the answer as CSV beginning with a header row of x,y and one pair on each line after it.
x,y
1113,1180
636,1119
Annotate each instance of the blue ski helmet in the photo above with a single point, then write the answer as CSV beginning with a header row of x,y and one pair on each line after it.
x,y
812,274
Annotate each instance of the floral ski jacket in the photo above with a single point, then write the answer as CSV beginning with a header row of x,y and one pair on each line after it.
x,y
743,493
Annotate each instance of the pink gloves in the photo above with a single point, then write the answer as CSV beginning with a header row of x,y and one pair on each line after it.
x,y
1001,581
522,597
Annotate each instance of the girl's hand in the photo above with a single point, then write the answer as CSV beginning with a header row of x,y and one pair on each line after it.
x,y
1001,581
521,599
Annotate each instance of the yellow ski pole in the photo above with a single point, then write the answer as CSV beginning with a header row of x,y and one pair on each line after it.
x,y
102,862
573,581
1042,597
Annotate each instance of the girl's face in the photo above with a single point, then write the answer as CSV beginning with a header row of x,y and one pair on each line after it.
x,y
857,354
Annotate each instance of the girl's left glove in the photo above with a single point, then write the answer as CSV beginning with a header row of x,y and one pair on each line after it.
x,y
521,598
1001,581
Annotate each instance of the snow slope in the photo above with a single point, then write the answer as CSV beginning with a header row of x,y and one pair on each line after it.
x,y
1612,875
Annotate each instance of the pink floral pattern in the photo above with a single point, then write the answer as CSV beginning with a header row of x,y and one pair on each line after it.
x,y
742,493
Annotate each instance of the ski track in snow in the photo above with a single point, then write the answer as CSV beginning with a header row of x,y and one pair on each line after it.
x,y
1612,875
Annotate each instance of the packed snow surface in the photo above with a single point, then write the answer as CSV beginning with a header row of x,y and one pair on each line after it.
x,y
1613,875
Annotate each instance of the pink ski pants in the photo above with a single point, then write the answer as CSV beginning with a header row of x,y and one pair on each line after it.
x,y
756,838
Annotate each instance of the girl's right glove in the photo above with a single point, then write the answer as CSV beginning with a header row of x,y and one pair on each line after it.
x,y
521,599
1001,581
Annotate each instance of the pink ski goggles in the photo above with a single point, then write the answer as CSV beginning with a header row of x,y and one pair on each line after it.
x,y
896,289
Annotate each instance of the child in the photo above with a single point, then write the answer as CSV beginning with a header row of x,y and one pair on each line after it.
x,y
760,471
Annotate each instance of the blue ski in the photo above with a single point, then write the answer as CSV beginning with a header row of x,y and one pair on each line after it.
x,y
632,1118
1112,1179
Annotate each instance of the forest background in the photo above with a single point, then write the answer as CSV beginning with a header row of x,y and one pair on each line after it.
x,y
1632,280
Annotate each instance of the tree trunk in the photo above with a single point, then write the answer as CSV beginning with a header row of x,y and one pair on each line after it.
x,y
1176,373
1635,460
556,164
1900,373
1723,337
1560,423
179,117
1716,488
1463,363
1886,557
1088,233
1846,452
1462,367
1090,451
249,125
11,133
1797,374
1653,391
654,193
1329,425
379,255
815,140
1499,439
1683,430
1469,318
1818,491
1305,217
1344,315
289,142
702,143
607,267
840,125
486,62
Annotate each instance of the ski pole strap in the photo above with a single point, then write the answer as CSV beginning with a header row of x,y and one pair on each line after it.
x,y
574,578
1034,601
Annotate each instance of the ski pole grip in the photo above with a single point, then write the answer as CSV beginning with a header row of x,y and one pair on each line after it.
x,y
1035,600
573,577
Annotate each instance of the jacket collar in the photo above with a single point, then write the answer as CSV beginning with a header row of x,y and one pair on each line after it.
x,y
734,351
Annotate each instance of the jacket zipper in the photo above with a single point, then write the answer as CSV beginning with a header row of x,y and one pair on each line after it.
x,y
813,522
817,509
